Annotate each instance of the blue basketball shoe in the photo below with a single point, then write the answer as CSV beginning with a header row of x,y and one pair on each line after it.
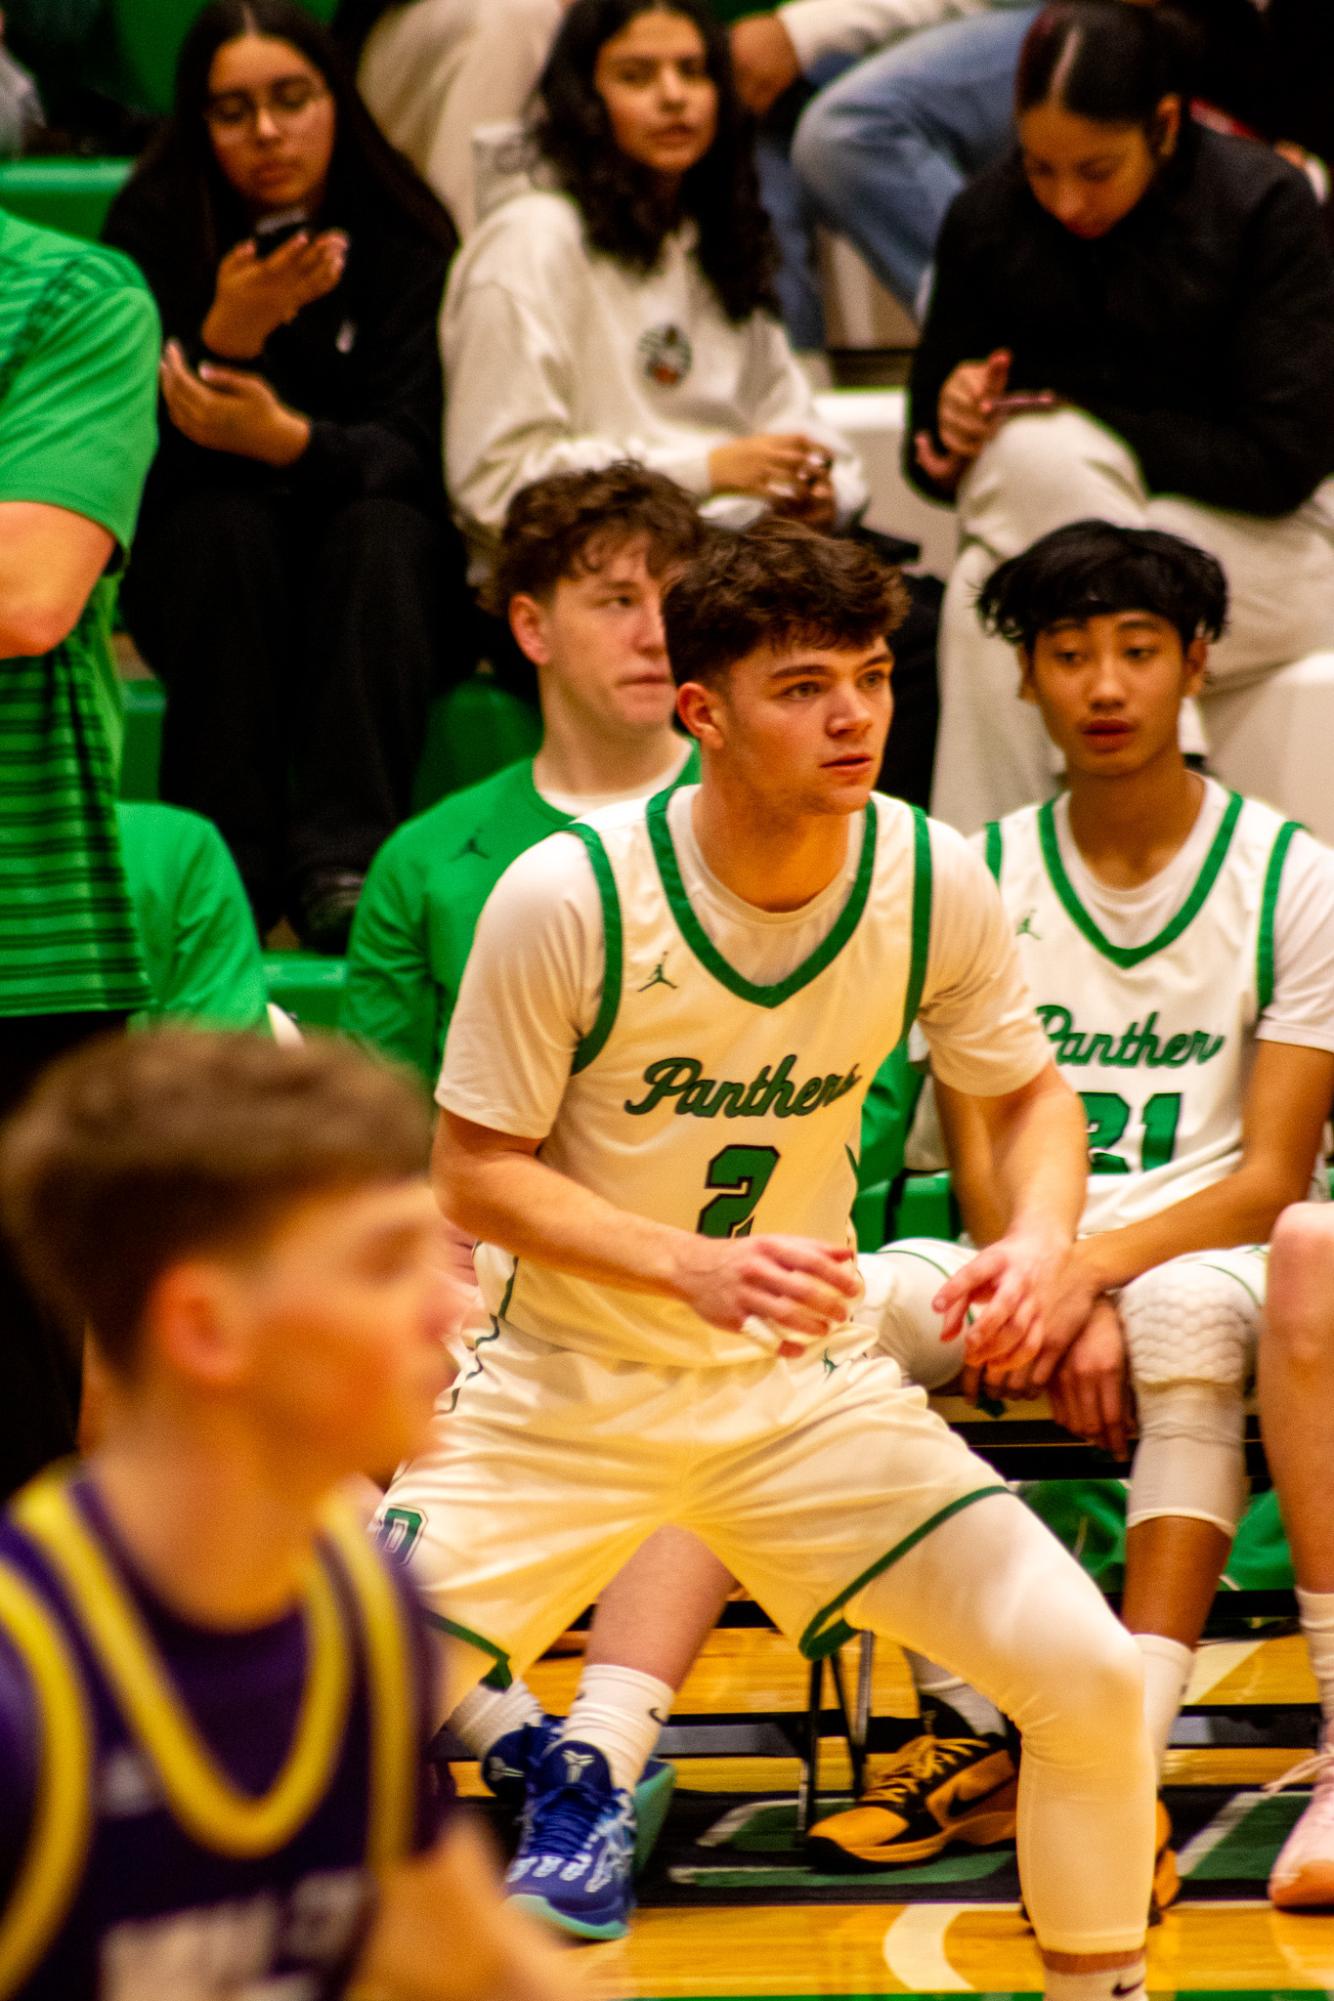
x,y
575,1863
510,1766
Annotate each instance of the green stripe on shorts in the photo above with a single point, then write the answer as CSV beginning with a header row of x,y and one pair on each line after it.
x,y
821,1638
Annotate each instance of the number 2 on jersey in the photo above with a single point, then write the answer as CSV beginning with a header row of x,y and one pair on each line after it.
x,y
742,1173
1108,1115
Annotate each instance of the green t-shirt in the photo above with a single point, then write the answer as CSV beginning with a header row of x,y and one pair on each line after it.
x,y
419,908
199,942
79,343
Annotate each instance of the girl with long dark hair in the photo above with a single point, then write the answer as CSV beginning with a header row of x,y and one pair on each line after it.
x,y
622,304
1133,319
292,577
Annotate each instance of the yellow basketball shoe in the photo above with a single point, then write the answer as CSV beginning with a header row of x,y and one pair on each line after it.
x,y
935,1791
1166,1882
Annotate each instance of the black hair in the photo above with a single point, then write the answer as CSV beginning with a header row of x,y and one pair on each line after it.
x,y
1090,569
623,212
366,172
1104,60
777,584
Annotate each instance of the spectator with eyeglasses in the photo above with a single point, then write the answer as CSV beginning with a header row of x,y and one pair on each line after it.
x,y
295,582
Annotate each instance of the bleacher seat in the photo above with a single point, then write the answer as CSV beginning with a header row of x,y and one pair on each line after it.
x,y
924,1207
307,986
70,195
472,730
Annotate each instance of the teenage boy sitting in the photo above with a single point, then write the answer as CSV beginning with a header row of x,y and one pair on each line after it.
x,y
1179,944
583,560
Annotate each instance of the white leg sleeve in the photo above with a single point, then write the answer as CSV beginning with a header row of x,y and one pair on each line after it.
x,y
992,1595
1191,1327
900,1283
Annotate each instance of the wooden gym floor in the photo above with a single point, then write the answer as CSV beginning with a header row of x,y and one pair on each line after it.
x,y
853,1949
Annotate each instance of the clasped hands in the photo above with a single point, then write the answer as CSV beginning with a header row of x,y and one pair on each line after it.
x,y
1032,1318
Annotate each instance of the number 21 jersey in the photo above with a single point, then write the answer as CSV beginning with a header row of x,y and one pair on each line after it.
x,y
1158,1038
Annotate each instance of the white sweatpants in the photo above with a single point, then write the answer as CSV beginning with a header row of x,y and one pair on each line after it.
x,y
434,70
1040,472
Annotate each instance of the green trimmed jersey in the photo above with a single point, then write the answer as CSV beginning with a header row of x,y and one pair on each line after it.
x,y
1158,1038
79,343
419,908
196,931
705,1100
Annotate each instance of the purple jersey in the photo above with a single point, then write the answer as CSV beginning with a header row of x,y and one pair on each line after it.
x,y
188,1814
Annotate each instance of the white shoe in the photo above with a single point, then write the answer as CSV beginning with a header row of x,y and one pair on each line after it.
x,y
1303,1876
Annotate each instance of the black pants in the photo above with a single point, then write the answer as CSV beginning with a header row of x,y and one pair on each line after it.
x,y
41,1366
299,650
910,751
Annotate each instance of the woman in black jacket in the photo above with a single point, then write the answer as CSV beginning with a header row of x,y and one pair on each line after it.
x,y
1133,318
294,581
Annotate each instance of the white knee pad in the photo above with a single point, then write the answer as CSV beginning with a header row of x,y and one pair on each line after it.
x,y
1190,1459
901,1281
1193,1320
1191,1328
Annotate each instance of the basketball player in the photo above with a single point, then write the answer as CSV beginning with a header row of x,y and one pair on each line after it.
x,y
213,1695
650,1095
1179,942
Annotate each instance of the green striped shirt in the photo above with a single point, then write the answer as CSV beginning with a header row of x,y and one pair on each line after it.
x,y
79,345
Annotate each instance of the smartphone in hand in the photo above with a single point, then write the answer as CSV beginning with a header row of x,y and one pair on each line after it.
x,y
272,231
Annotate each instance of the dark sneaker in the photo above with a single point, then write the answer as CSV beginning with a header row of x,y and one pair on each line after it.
x,y
935,1791
575,1864
509,1766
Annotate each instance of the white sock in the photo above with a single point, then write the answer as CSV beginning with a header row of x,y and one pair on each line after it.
x,y
1317,1616
933,1685
1167,1666
620,1712
1124,1982
485,1715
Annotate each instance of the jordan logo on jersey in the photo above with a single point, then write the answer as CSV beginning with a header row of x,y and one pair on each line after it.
x,y
701,1097
1026,928
657,978
1136,1046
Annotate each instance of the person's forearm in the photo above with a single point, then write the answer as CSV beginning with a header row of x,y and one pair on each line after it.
x,y
1241,1209
533,1211
1041,1154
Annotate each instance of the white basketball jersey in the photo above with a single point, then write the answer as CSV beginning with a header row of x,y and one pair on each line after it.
x,y
1158,1038
702,1100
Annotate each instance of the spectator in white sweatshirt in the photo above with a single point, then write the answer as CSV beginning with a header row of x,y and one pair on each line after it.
x,y
621,305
